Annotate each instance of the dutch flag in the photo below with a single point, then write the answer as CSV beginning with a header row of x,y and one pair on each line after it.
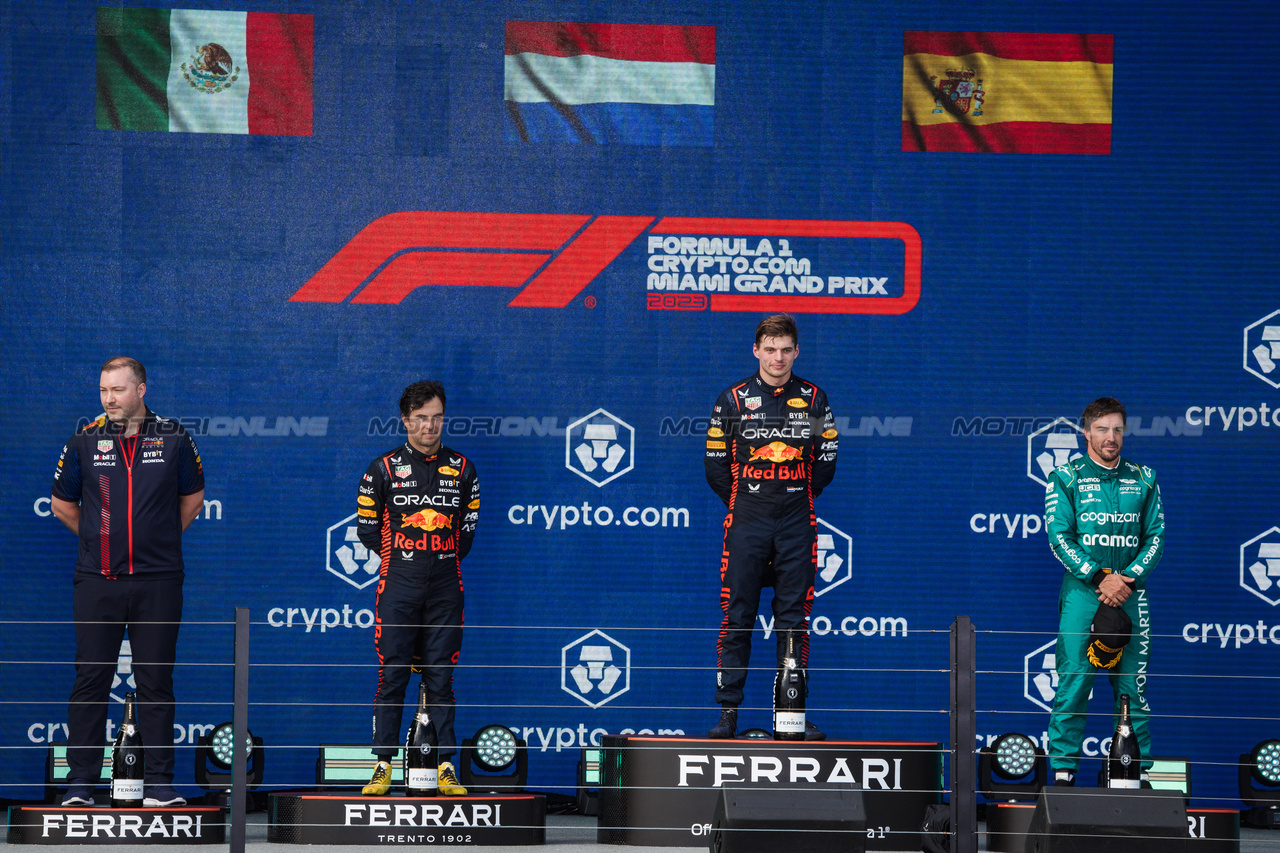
x,y
629,84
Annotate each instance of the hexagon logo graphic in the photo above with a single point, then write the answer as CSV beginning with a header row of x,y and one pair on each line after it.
x,y
1262,349
595,668
1051,446
1260,566
599,448
1040,676
346,556
123,680
835,558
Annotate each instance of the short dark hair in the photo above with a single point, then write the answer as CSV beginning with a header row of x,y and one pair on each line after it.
x,y
419,394
778,326
1102,407
131,364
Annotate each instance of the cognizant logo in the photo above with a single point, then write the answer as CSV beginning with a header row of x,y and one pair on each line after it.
x,y
551,258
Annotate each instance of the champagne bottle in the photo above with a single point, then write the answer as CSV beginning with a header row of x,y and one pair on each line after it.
x,y
788,696
1124,764
421,752
126,761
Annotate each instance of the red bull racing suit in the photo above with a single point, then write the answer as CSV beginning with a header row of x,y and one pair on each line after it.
x,y
1098,520
419,514
770,452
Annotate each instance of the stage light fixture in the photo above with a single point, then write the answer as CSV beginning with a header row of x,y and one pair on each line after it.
x,y
495,748
589,775
1259,782
216,750
757,734
492,750
1017,759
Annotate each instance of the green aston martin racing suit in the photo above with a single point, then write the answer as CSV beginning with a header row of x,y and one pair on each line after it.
x,y
1100,520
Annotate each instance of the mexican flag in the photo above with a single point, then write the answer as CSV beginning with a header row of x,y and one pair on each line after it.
x,y
204,71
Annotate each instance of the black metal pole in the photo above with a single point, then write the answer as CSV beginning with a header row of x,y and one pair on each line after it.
x,y
964,734
240,730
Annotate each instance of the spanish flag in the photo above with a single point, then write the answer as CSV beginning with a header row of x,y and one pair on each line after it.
x,y
1007,93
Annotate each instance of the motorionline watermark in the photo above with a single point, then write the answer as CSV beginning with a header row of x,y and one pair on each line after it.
x,y
480,426
858,425
218,426
995,426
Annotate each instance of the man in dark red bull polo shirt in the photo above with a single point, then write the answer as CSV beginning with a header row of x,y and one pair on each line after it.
x,y
771,449
128,484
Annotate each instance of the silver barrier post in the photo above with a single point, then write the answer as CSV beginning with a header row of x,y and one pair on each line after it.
x,y
239,730
964,734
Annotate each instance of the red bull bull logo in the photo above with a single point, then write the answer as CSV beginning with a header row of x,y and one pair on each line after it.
x,y
426,519
777,452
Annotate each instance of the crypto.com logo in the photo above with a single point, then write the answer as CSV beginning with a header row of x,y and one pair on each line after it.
x,y
124,673
595,447
1051,446
1262,350
835,559
1260,566
595,668
346,556
553,257
1040,676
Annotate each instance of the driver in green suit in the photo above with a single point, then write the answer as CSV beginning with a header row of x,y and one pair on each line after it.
x,y
1105,523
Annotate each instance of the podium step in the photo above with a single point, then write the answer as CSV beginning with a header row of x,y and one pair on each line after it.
x,y
97,825
507,819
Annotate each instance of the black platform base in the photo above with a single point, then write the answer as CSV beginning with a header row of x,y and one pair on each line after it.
x,y
662,791
93,825
1210,830
516,819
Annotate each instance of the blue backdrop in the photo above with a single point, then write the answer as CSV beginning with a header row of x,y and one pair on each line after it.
x,y
1044,282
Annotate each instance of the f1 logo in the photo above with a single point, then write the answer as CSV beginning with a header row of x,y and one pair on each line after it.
x,y
553,257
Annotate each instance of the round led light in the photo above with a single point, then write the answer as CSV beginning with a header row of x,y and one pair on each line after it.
x,y
758,734
495,748
1015,756
1266,757
221,748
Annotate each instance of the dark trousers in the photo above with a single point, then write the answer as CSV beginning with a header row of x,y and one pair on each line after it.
x,y
423,617
104,607
763,550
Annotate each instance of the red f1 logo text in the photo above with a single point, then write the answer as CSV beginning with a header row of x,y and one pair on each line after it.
x,y
551,258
